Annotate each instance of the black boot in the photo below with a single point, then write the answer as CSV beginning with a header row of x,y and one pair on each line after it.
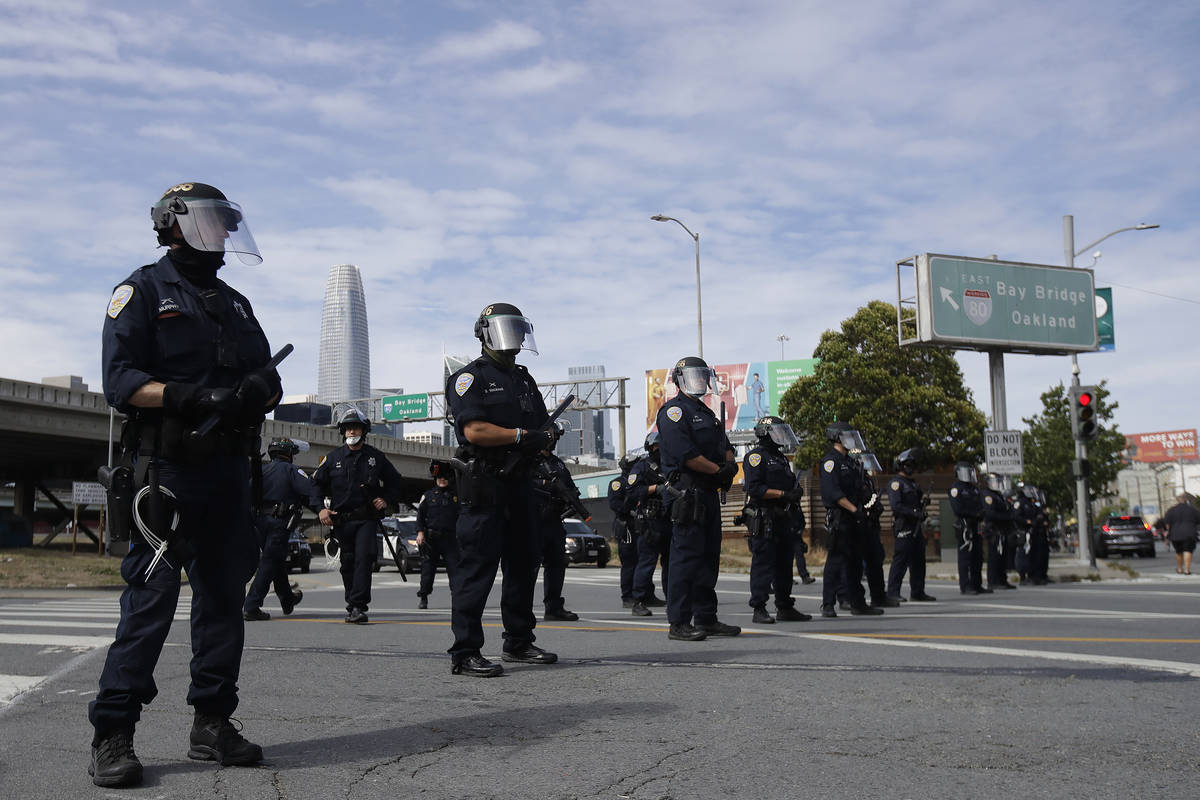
x,y
476,666
255,615
761,617
681,631
290,605
114,764
640,610
357,616
214,738
423,602
790,614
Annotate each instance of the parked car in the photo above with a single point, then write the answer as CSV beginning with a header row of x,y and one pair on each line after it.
x,y
299,554
584,545
401,535
1124,534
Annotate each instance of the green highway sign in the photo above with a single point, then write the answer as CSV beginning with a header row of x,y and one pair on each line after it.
x,y
401,407
981,304
1104,319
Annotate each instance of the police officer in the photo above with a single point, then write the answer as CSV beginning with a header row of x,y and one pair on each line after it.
x,y
698,461
771,498
550,472
500,415
908,505
997,523
183,355
967,504
353,486
437,516
1033,553
284,490
844,493
872,549
644,489
624,531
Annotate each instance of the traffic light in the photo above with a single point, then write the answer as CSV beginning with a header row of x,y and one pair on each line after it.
x,y
1085,409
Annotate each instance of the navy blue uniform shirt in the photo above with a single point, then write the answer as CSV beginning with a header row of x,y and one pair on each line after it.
x,y
995,509
645,473
765,468
904,497
841,476
286,485
616,495
687,428
965,500
158,329
485,390
438,512
343,473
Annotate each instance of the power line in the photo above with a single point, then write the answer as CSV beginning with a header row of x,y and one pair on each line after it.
x,y
1159,294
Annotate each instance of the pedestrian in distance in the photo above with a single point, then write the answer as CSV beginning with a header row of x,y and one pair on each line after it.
x,y
286,489
354,486
500,416
1182,520
186,361
437,517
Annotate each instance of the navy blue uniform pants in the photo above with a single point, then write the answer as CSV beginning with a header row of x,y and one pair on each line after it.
x,y
695,563
505,534
214,511
358,549
970,559
554,564
654,547
844,568
442,545
273,539
771,566
801,564
873,555
1039,555
997,575
627,551
908,556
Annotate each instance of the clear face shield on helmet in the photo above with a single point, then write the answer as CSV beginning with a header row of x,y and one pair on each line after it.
x,y
696,381
214,226
508,333
869,462
995,482
966,474
783,437
853,442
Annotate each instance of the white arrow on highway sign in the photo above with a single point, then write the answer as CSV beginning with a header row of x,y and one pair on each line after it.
x,y
946,295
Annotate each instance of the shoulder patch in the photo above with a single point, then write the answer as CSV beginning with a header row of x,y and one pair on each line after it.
x,y
322,461
632,478
895,486
987,499
120,298
755,459
615,486
954,492
828,465
674,413
302,472
463,383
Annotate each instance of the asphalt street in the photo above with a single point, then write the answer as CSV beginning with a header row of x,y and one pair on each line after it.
x,y
1067,690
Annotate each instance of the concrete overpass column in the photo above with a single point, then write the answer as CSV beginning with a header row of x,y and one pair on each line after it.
x,y
23,498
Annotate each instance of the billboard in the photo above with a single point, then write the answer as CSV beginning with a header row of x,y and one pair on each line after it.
x,y
1151,448
750,390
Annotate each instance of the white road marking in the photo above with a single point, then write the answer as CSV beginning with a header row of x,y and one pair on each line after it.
x,y
55,641
13,685
56,623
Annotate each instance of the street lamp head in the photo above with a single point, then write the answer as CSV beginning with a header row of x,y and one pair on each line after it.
x,y
1142,226
660,218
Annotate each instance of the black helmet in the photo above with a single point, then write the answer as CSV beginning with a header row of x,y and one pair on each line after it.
x,y
651,440
844,433
965,471
693,376
626,463
502,328
907,461
207,220
282,447
777,433
352,416
441,469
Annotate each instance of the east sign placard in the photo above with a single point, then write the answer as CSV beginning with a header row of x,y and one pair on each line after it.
x,y
981,304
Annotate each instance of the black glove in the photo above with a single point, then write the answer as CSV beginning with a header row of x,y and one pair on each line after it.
x,y
193,400
539,440
725,475
860,515
257,389
793,495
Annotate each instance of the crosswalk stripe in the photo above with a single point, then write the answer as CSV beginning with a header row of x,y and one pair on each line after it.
x,y
55,641
57,623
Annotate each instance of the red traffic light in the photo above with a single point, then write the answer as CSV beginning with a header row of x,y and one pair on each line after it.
x,y
1085,398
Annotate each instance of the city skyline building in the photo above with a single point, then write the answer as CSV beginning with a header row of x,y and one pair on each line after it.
x,y
588,438
344,361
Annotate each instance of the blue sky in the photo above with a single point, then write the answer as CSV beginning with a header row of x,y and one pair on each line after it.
x,y
466,152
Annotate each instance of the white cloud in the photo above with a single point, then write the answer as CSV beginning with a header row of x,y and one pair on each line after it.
x,y
498,39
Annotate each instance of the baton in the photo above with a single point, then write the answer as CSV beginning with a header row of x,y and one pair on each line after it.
x,y
214,418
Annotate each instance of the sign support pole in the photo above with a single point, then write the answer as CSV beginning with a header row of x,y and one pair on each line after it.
x,y
999,397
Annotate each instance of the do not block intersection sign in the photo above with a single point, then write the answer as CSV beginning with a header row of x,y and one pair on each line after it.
x,y
1004,454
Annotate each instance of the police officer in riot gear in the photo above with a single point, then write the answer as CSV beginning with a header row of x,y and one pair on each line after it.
x,y
699,462
285,489
500,415
872,549
185,359
967,504
908,504
644,489
353,487
550,472
624,530
997,524
437,516
1033,551
845,492
771,499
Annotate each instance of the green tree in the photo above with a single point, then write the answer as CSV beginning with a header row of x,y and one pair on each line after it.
x,y
898,397
1050,449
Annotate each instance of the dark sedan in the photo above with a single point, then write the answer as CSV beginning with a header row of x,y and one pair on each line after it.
x,y
1124,534
299,554
584,545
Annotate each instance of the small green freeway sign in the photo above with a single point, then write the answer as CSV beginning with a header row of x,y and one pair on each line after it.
x,y
400,407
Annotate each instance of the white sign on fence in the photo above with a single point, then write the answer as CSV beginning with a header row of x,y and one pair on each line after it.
x,y
1003,452
87,493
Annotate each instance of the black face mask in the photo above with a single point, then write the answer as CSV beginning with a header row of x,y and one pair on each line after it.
x,y
198,266
504,358
654,456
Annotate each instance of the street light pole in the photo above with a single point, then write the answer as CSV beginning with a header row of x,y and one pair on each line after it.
x,y
1082,504
699,317
781,338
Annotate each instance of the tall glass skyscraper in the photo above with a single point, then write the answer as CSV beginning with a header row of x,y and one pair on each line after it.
x,y
344,364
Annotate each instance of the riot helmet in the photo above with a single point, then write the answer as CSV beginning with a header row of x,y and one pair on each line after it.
x,y
352,417
868,461
965,471
285,448
907,461
841,433
504,330
651,444
775,432
625,463
995,482
694,377
1030,491
441,470
207,220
